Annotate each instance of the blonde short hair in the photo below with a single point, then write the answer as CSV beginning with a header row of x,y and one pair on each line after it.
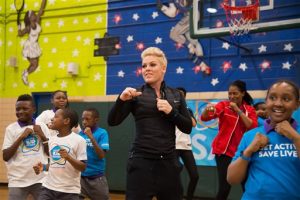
x,y
154,51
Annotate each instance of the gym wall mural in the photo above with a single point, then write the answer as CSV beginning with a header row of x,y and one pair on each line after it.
x,y
64,48
72,56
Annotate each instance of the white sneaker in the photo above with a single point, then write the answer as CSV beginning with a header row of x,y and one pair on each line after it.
x,y
203,66
25,77
191,48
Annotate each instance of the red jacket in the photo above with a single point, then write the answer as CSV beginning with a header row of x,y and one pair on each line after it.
x,y
231,127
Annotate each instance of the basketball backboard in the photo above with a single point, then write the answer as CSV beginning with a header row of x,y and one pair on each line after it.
x,y
208,18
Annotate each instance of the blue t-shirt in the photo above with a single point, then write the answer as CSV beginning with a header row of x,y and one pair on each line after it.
x,y
95,166
274,171
260,121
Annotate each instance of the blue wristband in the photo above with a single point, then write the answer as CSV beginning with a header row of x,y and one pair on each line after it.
x,y
245,157
239,112
44,167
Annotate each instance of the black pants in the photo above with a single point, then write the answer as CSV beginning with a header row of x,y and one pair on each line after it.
x,y
47,194
190,164
147,178
223,162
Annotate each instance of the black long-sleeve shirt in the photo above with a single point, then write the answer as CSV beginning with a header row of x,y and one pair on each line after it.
x,y
155,130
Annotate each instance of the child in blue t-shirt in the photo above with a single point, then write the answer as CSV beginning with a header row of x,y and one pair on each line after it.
x,y
93,181
260,108
269,156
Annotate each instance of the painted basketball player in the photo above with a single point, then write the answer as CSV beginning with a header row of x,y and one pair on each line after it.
x,y
31,48
180,33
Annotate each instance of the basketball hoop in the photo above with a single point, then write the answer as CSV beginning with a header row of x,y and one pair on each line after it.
x,y
240,15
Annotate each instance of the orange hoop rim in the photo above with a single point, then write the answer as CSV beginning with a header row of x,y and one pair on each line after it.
x,y
227,7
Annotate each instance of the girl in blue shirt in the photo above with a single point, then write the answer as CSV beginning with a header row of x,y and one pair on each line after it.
x,y
269,156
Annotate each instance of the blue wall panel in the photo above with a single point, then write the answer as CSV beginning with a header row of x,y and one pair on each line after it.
x,y
282,47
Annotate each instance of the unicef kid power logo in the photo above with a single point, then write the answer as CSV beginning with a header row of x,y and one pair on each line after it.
x,y
30,143
55,156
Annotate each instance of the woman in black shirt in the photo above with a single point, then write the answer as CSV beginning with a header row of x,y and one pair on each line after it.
x,y
153,169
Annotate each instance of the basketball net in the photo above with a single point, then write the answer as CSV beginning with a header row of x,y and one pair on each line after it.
x,y
240,15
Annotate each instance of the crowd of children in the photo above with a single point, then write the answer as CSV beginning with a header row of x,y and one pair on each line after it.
x,y
46,159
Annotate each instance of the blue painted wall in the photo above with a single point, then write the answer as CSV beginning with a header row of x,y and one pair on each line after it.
x,y
263,67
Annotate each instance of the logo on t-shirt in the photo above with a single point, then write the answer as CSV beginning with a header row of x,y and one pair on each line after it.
x,y
55,155
30,143
279,150
89,142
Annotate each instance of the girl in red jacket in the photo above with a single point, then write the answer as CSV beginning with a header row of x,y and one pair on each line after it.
x,y
236,116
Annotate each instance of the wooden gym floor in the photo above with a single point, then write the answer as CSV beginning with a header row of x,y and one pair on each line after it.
x,y
4,193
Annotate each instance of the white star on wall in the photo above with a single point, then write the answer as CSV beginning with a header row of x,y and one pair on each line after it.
x,y
1,43
121,74
9,43
53,50
154,15
46,40
87,41
243,66
45,85
60,23
86,20
14,85
0,8
97,76
97,35
248,2
286,65
262,48
158,40
75,21
129,38
47,23
179,70
12,7
78,38
64,39
99,19
214,81
225,45
51,2
50,64
31,84
63,84
75,53
62,65
11,29
79,83
135,16
36,4
288,47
